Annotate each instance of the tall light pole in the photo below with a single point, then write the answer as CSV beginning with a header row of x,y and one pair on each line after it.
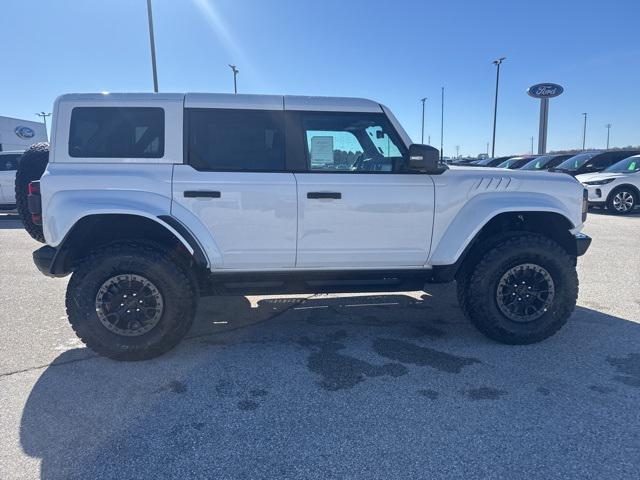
x,y
608,125
531,145
497,63
153,47
424,101
457,151
584,130
235,74
44,116
442,126
487,149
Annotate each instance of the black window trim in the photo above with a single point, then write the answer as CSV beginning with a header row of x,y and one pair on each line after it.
x,y
162,138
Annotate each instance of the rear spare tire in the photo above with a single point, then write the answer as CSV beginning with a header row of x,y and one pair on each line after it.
x,y
31,167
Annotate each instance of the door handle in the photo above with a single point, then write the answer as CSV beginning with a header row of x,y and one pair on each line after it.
x,y
336,195
201,194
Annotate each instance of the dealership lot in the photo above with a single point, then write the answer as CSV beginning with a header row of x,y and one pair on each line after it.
x,y
327,386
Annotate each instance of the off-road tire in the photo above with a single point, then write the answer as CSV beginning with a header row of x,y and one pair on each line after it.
x,y
634,196
481,302
175,284
31,167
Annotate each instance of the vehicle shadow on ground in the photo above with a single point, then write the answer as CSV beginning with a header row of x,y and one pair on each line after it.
x,y
384,386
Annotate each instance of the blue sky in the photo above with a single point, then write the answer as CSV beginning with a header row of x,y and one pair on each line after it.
x,y
394,52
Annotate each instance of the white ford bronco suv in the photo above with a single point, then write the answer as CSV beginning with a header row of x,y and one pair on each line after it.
x,y
152,200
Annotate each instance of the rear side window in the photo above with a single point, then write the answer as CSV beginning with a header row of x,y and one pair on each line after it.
x,y
236,140
117,132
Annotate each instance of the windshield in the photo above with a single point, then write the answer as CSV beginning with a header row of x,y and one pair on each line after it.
x,y
628,165
574,163
537,163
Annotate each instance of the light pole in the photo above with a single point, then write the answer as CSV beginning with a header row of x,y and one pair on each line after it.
x,y
457,151
153,47
608,125
44,116
531,145
424,101
487,149
584,130
235,74
442,126
497,63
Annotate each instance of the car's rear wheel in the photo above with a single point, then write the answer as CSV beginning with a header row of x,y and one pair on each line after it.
x,y
131,301
622,201
522,290
31,167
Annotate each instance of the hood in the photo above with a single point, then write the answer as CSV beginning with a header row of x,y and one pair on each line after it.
x,y
591,177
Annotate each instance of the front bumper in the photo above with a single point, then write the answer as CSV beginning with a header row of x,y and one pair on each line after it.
x,y
595,193
45,260
582,243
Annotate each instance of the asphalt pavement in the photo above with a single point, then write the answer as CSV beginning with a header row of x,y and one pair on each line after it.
x,y
327,386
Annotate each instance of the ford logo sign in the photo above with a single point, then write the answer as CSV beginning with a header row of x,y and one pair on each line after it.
x,y
545,90
24,132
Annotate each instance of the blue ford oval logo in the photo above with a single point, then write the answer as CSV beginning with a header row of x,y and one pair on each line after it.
x,y
545,90
24,132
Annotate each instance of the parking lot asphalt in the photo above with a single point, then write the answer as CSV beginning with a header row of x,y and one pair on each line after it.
x,y
328,386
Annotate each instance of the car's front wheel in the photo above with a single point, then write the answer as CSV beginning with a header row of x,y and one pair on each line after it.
x,y
622,201
522,290
131,301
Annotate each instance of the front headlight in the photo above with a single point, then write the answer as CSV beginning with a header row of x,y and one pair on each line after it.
x,y
600,182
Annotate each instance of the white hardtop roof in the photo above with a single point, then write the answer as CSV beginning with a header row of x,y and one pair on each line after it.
x,y
245,101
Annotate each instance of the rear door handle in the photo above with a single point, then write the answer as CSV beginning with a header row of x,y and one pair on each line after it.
x,y
336,195
202,194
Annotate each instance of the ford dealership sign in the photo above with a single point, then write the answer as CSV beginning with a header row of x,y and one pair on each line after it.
x,y
24,132
545,90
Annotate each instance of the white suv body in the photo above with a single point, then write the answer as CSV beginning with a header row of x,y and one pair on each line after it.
x,y
262,187
618,187
263,220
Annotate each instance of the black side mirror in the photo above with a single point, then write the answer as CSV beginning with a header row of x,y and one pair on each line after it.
x,y
425,159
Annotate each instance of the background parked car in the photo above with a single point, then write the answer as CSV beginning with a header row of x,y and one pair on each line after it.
x,y
516,162
8,166
545,162
617,187
590,162
490,162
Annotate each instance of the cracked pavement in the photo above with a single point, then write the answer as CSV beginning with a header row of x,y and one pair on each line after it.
x,y
327,386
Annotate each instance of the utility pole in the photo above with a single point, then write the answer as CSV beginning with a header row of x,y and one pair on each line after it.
x,y
153,47
497,63
235,74
44,116
608,125
442,126
584,131
424,101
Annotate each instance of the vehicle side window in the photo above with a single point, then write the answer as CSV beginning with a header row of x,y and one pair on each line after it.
x,y
600,161
235,140
9,162
351,142
117,132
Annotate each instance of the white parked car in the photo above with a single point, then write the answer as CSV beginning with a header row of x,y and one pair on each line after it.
x,y
617,187
151,200
8,166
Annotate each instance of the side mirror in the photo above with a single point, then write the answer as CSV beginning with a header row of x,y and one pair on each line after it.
x,y
423,158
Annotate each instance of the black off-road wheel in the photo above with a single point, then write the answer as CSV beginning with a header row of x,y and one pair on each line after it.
x,y
522,290
131,301
622,201
31,167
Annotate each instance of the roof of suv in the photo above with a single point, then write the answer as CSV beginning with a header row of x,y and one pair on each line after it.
x,y
231,100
